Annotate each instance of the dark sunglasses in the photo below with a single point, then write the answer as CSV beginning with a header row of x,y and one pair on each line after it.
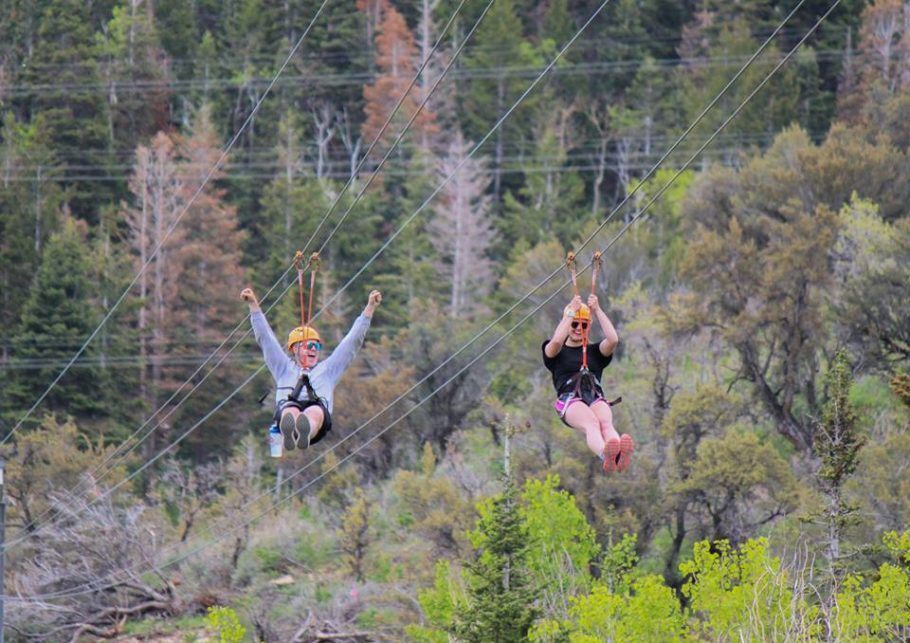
x,y
584,325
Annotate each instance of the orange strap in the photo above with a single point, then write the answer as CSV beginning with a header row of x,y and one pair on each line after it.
x,y
595,268
313,264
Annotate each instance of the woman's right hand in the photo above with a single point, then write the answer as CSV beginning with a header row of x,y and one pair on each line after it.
x,y
575,304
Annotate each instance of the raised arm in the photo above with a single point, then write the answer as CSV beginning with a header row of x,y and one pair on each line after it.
x,y
344,354
562,330
611,337
276,359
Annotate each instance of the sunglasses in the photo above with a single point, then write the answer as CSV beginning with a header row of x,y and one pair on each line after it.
x,y
584,325
313,346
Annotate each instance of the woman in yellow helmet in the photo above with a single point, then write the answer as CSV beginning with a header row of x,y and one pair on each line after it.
x,y
305,386
580,401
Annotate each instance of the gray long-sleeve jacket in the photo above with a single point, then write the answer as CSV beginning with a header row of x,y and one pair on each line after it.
x,y
324,376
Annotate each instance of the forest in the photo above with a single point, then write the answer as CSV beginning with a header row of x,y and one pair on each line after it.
x,y
744,169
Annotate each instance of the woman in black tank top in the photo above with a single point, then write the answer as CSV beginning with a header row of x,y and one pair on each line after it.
x,y
580,402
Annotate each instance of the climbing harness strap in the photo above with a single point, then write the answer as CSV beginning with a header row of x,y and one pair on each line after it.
x,y
303,381
584,378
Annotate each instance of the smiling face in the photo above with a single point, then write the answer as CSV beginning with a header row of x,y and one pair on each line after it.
x,y
307,353
577,329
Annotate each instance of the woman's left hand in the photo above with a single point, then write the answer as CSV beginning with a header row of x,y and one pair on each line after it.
x,y
593,304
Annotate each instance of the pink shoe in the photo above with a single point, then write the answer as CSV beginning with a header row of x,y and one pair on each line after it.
x,y
626,449
611,455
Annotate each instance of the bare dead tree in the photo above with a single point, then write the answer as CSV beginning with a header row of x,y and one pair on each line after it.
x,y
101,546
462,230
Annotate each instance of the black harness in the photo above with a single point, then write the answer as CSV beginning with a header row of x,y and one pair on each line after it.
x,y
303,381
585,387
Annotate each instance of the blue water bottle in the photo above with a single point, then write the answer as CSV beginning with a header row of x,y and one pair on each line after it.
x,y
276,449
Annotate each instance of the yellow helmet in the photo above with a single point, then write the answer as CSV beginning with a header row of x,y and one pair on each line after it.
x,y
301,334
582,314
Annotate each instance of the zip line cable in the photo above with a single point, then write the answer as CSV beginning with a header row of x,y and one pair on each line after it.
x,y
622,231
685,134
386,244
331,209
400,134
666,186
596,260
171,227
495,343
451,175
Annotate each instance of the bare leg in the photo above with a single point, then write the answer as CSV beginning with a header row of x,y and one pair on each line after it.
x,y
626,445
605,417
316,416
581,418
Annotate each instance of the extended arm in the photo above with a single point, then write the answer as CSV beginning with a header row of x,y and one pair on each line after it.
x,y
562,330
344,354
275,358
611,337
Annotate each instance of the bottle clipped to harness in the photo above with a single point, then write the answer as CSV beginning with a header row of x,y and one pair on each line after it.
x,y
276,449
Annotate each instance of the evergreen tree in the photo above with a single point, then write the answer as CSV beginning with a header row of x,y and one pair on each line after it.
x,y
500,605
836,444
135,72
59,309
66,80
29,205
500,51
550,203
396,62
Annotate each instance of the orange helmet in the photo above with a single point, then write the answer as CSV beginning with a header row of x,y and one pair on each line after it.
x,y
582,314
301,334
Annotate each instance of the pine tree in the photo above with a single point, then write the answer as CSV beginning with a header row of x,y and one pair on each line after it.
x,y
836,444
29,205
64,68
156,191
500,48
550,204
58,314
208,265
396,62
134,69
501,596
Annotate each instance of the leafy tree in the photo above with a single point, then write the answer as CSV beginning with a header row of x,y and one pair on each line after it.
x,y
740,484
55,457
740,593
500,592
648,611
877,611
440,603
872,271
758,265
431,506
